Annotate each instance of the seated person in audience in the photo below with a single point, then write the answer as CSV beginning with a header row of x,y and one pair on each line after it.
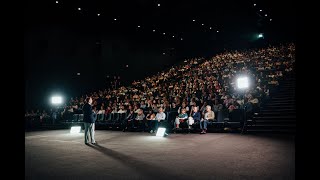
x,y
108,110
135,108
195,116
143,105
181,118
151,118
160,116
101,111
173,107
140,119
203,108
154,108
122,110
232,107
208,116
114,109
183,106
129,119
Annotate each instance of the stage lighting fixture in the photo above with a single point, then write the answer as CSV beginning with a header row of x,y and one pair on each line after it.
x,y
56,100
243,82
161,132
260,35
75,129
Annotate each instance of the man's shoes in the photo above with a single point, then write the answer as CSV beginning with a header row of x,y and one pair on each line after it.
x,y
87,144
95,143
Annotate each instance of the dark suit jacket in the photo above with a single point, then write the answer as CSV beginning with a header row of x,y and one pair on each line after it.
x,y
196,116
88,115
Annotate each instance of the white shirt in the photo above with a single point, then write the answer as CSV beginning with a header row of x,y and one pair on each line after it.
x,y
122,111
161,116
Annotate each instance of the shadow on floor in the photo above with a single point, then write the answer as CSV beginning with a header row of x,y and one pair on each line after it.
x,y
146,170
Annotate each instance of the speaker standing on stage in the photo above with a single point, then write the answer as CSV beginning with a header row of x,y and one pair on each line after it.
x,y
89,120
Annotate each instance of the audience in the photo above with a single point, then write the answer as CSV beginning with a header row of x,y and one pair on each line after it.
x,y
197,82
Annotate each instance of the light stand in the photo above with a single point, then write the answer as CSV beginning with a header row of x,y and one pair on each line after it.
x,y
243,84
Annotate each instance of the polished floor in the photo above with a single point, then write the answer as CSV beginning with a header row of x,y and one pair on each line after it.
x,y
57,154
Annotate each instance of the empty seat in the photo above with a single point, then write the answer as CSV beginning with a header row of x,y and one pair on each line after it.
x,y
80,118
116,117
75,117
235,118
100,117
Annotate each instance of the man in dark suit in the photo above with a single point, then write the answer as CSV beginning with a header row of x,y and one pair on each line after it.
x,y
89,120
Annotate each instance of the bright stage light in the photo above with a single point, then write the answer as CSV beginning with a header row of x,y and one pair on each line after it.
x,y
56,100
260,35
243,82
75,129
161,132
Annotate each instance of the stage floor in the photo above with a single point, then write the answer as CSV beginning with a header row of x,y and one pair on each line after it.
x,y
57,154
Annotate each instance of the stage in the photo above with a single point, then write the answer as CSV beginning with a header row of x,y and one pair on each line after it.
x,y
57,154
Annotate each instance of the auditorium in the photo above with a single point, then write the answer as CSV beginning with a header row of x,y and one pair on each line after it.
x,y
158,89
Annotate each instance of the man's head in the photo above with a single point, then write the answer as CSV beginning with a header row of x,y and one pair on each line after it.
x,y
195,109
208,108
160,110
89,100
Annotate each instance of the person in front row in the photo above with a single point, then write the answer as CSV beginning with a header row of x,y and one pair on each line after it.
x,y
161,116
129,119
195,117
140,119
151,118
209,115
181,118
